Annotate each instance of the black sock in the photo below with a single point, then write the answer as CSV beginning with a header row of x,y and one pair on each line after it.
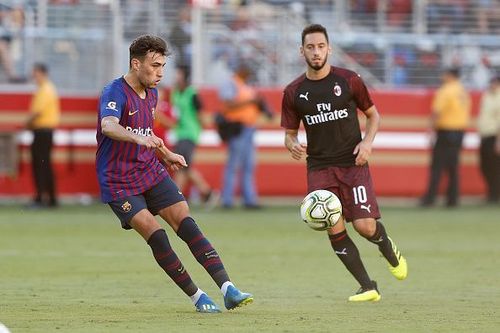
x,y
202,250
384,244
348,253
168,260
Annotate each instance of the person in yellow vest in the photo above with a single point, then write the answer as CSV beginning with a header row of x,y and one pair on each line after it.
x,y
44,118
241,104
450,117
488,126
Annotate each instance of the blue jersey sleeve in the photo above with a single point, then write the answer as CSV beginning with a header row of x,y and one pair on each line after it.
x,y
112,101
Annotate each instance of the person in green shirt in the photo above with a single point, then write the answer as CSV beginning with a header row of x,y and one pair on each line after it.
x,y
187,106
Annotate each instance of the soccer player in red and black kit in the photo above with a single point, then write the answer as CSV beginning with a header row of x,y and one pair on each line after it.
x,y
326,100
137,186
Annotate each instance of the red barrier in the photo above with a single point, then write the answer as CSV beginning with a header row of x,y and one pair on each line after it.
x,y
277,173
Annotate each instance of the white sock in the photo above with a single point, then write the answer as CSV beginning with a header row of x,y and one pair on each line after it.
x,y
196,296
224,287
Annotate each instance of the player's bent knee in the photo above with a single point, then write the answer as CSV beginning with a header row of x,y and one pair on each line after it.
x,y
365,227
144,223
174,214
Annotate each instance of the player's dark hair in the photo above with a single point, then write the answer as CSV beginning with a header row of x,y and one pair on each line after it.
x,y
453,71
147,43
312,29
186,71
41,67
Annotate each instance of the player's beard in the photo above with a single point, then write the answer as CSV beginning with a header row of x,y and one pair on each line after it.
x,y
317,67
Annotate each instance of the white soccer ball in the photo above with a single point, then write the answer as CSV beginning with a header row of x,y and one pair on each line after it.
x,y
3,329
320,210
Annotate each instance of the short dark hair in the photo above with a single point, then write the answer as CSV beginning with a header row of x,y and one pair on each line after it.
x,y
186,71
312,28
147,43
40,67
453,71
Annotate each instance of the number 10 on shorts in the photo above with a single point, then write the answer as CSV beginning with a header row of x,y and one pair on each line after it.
x,y
359,193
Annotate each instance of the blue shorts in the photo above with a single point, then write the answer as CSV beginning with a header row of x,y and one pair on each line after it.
x,y
163,194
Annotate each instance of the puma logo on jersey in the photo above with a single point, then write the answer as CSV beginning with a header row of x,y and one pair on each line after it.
x,y
366,207
304,96
131,113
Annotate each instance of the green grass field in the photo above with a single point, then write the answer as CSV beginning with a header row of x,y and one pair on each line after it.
x,y
75,270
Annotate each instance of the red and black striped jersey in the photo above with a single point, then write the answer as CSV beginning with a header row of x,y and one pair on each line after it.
x,y
328,111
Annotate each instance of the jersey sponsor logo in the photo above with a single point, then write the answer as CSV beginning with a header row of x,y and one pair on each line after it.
x,y
111,106
140,131
367,208
131,113
304,96
327,116
337,90
126,206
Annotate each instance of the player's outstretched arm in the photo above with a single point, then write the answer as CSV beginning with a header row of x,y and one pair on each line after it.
x,y
293,145
111,128
363,149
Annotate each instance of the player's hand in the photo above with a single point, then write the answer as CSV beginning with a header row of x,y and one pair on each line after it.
x,y
151,142
174,161
363,151
298,150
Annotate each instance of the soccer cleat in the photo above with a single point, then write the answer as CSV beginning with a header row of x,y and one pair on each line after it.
x,y
235,298
366,294
206,305
400,272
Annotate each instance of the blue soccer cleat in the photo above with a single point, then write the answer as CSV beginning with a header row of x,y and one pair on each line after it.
x,y
206,305
235,298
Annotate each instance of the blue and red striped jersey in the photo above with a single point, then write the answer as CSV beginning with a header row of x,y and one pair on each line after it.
x,y
125,168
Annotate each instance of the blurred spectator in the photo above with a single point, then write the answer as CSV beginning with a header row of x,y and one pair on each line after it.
x,y
43,120
481,73
445,16
188,107
488,16
241,105
180,37
11,22
164,118
489,129
399,14
450,117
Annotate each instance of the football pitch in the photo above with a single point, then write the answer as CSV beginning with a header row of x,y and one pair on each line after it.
x,y
74,270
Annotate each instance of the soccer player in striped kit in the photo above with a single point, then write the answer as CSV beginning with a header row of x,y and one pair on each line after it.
x,y
136,185
325,99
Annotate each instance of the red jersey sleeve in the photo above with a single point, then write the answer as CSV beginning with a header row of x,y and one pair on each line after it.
x,y
289,117
360,93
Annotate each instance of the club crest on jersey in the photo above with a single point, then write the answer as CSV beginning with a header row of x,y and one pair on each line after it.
x,y
126,206
153,112
337,90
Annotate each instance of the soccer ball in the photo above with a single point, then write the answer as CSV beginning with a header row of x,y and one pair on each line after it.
x,y
320,210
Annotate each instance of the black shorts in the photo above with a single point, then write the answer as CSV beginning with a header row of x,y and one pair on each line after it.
x,y
354,187
186,149
162,195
